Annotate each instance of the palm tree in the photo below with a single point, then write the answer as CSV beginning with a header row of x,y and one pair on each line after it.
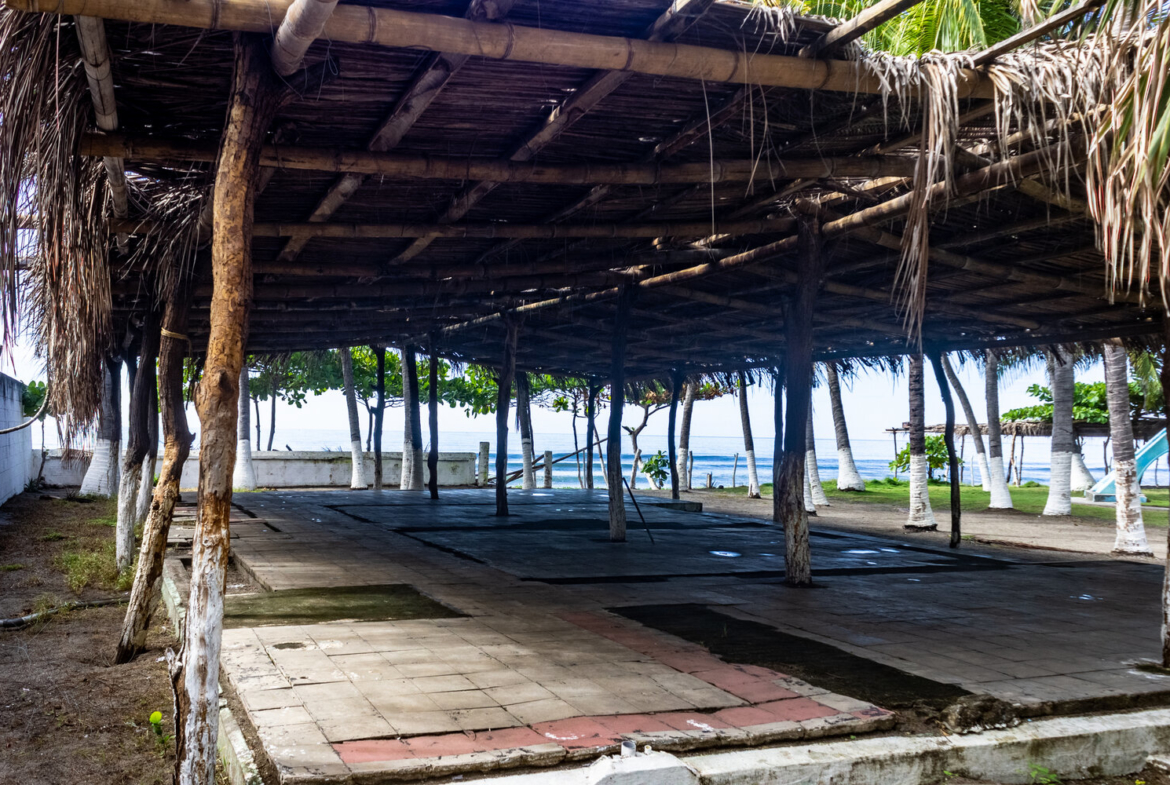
x,y
749,446
921,516
810,462
524,422
1061,381
244,476
1131,532
848,478
972,421
1001,497
684,435
357,457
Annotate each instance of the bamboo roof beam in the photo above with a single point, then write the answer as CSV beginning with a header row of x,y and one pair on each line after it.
x,y
427,84
302,24
855,28
436,168
357,24
672,23
95,51
1054,22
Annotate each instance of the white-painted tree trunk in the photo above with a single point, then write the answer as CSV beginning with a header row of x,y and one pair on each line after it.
x,y
244,476
528,474
1131,530
548,469
810,461
357,479
524,421
809,505
749,443
753,476
1001,497
848,478
103,476
684,436
145,489
1061,383
972,422
485,449
1082,479
634,468
127,508
921,516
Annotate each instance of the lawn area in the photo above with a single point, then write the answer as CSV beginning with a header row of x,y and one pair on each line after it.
x,y
1029,498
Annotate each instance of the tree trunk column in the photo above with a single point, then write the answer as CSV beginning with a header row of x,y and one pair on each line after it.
x,y
792,477
591,430
244,476
1131,531
433,420
485,449
677,380
684,434
380,415
412,467
936,362
848,478
357,456
503,399
921,516
819,499
177,446
778,376
548,469
617,401
196,680
524,415
1001,497
1062,383
1166,573
972,423
137,443
749,444
103,474
150,462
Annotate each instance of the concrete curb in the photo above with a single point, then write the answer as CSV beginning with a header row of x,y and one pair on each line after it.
x,y
1068,747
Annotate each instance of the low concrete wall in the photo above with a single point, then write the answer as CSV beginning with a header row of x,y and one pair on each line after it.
x,y
58,472
314,469
15,448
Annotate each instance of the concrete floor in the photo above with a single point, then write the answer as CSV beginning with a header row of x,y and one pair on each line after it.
x,y
538,671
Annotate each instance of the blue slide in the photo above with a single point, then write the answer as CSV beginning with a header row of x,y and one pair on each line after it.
x,y
1106,489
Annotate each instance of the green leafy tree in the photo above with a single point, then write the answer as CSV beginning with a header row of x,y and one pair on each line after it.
x,y
936,456
1089,403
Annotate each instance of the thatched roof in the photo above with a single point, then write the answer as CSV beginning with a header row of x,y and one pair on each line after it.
x,y
627,190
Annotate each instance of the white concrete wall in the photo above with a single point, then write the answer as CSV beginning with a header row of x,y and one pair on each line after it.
x,y
313,469
15,448
58,472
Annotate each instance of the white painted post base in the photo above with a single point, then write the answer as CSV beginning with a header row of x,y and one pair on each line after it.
x,y
848,478
145,490
1082,478
1001,497
244,474
921,515
814,479
548,470
1060,476
103,475
485,449
358,460
753,476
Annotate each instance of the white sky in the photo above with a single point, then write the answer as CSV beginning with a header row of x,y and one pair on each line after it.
x,y
873,401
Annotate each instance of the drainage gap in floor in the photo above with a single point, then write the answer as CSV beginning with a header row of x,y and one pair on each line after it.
x,y
751,643
389,602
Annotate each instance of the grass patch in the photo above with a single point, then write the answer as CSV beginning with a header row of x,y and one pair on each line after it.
x,y
1028,499
388,602
11,567
52,537
89,567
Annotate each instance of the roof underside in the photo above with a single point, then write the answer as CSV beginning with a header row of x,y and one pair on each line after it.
x,y
174,83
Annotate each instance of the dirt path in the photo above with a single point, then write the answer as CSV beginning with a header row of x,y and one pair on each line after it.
x,y
68,715
1016,529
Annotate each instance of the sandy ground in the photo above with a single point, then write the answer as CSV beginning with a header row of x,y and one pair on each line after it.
x,y
1065,533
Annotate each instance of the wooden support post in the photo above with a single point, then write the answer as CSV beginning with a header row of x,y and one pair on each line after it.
x,y
944,390
790,485
412,471
503,399
433,419
677,380
548,470
379,413
145,592
617,400
590,430
485,449
195,674
779,374
137,442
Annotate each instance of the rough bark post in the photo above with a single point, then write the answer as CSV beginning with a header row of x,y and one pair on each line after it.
x,y
972,423
1001,497
357,456
196,679
485,449
944,389
792,476
677,380
590,431
503,399
778,376
818,497
548,469
177,446
433,419
244,475
1062,383
749,444
684,434
103,474
617,401
1166,415
848,478
1131,531
412,476
524,417
921,516
150,462
380,415
137,442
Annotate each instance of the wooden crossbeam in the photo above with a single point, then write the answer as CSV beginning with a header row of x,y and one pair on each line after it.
x,y
300,27
95,51
358,24
855,28
436,168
